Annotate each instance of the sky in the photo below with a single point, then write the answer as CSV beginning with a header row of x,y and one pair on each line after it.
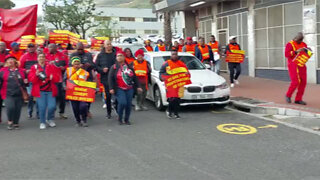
x,y
24,3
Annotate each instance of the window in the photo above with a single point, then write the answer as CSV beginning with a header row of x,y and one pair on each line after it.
x,y
151,31
127,19
127,31
274,27
102,18
150,19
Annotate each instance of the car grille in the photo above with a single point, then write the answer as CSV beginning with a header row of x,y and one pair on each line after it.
x,y
194,89
209,89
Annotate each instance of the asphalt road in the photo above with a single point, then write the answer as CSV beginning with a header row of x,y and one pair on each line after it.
x,y
156,148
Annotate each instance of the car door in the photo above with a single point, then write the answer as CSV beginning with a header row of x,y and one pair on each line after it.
x,y
148,58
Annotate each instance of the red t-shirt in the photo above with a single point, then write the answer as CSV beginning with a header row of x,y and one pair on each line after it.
x,y
124,77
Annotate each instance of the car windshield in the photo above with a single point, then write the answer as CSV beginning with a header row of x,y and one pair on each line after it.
x,y
191,62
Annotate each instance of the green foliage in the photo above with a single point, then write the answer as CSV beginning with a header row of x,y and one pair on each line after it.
x,y
75,15
6,4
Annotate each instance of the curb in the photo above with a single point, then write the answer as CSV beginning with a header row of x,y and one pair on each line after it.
x,y
271,109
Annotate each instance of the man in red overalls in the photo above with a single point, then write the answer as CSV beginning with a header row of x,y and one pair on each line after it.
x,y
298,75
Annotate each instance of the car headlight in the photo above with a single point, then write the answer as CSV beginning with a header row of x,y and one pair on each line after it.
x,y
223,86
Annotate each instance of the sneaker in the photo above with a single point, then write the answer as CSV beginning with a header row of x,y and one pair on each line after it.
x,y
120,122
85,124
30,116
232,85
10,126
104,106
43,126
169,115
300,102
127,122
288,100
138,108
237,82
51,123
16,126
78,124
144,108
177,116
109,116
62,116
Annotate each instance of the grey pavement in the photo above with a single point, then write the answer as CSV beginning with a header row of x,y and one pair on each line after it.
x,y
156,148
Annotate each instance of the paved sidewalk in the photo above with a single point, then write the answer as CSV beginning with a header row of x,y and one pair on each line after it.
x,y
274,91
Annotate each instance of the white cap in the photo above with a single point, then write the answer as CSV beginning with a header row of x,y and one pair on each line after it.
x,y
232,37
194,38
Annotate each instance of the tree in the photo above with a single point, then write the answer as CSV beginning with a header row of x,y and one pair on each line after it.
x,y
166,24
105,29
7,4
74,15
53,14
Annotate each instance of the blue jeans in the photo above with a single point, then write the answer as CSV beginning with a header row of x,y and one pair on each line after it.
x,y
30,102
217,66
124,99
46,105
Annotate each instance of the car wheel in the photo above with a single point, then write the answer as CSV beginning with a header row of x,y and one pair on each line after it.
x,y
158,100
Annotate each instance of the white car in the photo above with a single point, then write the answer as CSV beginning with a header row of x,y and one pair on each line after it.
x,y
207,87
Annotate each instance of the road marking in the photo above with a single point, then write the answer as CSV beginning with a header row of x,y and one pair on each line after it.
x,y
268,126
239,129
279,122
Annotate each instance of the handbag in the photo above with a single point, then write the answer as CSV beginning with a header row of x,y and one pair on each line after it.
x,y
25,95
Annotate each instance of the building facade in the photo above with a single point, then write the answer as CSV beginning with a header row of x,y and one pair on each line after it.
x,y
263,28
131,21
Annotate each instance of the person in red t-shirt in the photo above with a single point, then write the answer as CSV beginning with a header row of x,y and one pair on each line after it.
x,y
44,77
61,61
122,81
26,62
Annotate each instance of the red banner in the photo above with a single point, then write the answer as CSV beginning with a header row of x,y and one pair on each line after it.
x,y
40,40
302,58
175,84
81,91
25,40
15,23
74,38
235,56
59,37
97,42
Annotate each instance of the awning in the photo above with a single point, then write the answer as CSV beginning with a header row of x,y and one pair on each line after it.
x,y
182,5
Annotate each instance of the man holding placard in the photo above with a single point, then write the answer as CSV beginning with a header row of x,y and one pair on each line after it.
x,y
234,58
297,53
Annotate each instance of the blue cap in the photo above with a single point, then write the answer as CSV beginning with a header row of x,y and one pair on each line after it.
x,y
14,44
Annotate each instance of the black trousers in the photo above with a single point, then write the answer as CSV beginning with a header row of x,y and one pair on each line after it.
x,y
108,97
80,110
174,106
235,71
13,107
61,98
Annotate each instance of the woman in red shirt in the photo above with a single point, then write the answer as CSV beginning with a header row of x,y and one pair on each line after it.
x,y
122,81
44,77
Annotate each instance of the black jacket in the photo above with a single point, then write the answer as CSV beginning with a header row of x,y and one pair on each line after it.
x,y
112,79
105,60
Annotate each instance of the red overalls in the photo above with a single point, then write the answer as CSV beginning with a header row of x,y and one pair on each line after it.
x,y
298,75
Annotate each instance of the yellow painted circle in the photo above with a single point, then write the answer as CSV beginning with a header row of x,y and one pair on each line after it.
x,y
239,129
